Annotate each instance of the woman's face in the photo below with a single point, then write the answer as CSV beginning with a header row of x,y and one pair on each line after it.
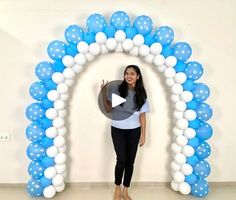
x,y
131,76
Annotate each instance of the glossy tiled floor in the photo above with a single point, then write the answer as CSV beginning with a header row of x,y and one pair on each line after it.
x,y
105,192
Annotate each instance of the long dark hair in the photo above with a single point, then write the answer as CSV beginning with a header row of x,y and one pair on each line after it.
x,y
140,92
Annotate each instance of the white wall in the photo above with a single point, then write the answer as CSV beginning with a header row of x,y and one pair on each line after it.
x,y
26,27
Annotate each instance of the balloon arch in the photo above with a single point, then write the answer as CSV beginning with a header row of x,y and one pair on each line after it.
x,y
47,150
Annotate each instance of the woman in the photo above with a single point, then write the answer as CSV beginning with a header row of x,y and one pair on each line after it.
x,y
127,133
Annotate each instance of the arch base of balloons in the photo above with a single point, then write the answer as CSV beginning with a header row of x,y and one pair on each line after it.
x,y
47,131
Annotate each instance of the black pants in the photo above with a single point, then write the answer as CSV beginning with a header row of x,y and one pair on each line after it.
x,y
125,143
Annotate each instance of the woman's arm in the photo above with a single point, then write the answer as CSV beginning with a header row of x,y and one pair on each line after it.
x,y
106,102
142,119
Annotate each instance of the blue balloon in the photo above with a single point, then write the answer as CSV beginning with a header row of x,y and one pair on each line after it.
x,y
44,71
34,188
50,85
191,179
71,50
204,111
201,92
149,39
35,112
56,50
36,169
89,37
188,85
120,20
164,35
195,124
130,32
96,23
200,188
202,169
47,161
109,31
203,151
192,105
180,66
45,181
194,142
74,34
46,142
143,24
166,51
34,132
182,51
46,123
58,66
35,152
38,90
204,132
46,103
193,160
194,70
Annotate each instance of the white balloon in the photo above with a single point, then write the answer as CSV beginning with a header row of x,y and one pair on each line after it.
x,y
52,151
83,47
100,38
184,188
58,77
180,77
149,58
60,158
138,40
51,132
60,188
60,168
68,61
80,59
58,180
62,88
161,68
178,114
175,98
188,151
94,49
182,123
53,95
64,97
170,61
64,174
69,73
177,131
51,113
180,106
176,148
77,68
104,50
186,169
49,191
190,115
144,50
62,149
69,82
175,166
111,44
159,60
169,73
177,88
181,140
58,122
62,113
62,131
186,96
120,36
170,81
134,51
156,48
179,177
180,158
127,45
59,141
50,172
175,186
119,48
189,133
89,57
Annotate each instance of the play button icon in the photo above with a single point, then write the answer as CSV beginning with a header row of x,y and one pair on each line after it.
x,y
121,108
